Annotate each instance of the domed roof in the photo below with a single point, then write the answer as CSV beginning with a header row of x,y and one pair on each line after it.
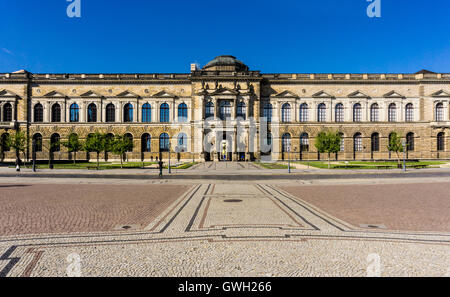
x,y
226,62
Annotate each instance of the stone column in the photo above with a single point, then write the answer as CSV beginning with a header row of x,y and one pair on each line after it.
x,y
332,113
66,112
47,112
103,113
83,112
119,113
137,118
216,108
247,108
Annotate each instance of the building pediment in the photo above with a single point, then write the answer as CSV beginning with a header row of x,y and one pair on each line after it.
x,y
225,91
393,94
440,93
322,94
286,94
55,94
127,94
91,94
7,94
164,94
358,94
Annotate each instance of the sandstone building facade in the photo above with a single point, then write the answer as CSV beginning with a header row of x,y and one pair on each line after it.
x,y
169,112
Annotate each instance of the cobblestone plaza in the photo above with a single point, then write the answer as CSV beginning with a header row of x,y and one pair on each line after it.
x,y
224,228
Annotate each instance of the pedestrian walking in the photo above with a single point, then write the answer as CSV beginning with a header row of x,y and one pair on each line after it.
x,y
17,165
160,164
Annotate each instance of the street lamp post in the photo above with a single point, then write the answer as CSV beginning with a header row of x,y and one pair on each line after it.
x,y
404,154
34,154
289,158
170,171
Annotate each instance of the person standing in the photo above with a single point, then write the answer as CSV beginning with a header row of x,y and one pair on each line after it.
x,y
18,165
160,164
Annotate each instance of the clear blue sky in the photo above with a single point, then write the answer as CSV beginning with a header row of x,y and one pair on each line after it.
x,y
302,36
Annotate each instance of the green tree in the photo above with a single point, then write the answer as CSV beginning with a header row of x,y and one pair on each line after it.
x,y
73,145
95,143
328,142
395,145
50,147
120,145
109,140
18,143
4,143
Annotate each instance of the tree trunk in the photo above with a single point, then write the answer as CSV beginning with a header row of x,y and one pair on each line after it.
x,y
121,161
398,158
329,165
98,161
74,158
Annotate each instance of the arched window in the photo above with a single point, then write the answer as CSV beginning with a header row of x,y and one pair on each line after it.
x,y
181,142
339,112
375,142
5,142
130,137
209,110
146,113
56,113
441,141
7,112
322,112
409,112
128,113
286,113
342,142
92,113
164,113
392,112
55,145
357,142
374,113
182,112
410,141
303,116
38,113
439,112
304,142
286,142
37,138
110,113
267,112
225,110
241,110
74,113
164,142
357,114
146,141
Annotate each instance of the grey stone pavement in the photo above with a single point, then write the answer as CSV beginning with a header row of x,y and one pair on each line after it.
x,y
220,227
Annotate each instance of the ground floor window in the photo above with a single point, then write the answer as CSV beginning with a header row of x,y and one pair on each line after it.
x,y
441,141
357,142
